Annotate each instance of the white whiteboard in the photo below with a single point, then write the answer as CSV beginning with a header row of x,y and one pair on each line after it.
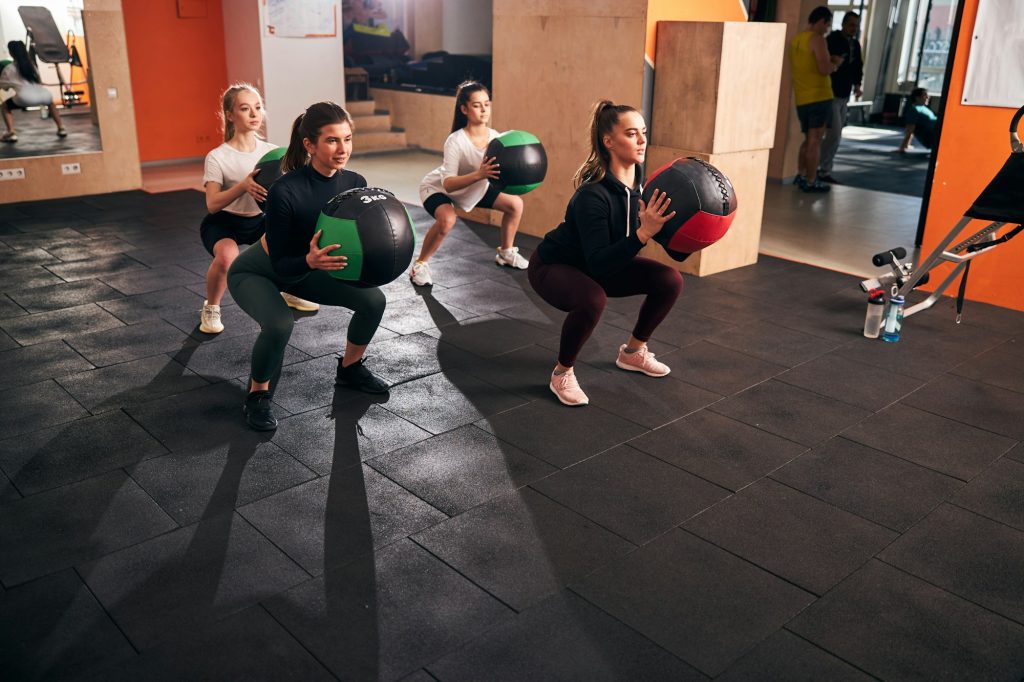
x,y
995,67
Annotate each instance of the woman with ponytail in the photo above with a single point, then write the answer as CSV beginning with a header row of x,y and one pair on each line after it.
x,y
17,73
289,259
462,180
592,254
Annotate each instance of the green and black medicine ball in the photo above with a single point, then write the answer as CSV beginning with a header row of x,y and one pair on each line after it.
x,y
269,167
521,160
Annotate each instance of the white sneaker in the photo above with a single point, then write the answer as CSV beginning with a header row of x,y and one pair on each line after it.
x,y
300,304
511,258
209,319
420,274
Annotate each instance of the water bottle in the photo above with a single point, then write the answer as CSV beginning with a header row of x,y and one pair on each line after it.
x,y
873,319
893,320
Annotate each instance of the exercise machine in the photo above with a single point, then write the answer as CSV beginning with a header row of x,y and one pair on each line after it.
x,y
46,44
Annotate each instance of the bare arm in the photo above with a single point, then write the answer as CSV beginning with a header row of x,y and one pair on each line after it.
x,y
907,135
218,198
488,169
826,64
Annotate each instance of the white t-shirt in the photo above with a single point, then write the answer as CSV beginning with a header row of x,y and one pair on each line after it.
x,y
227,166
11,81
461,157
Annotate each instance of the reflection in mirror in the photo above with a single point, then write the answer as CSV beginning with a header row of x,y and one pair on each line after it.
x,y
45,85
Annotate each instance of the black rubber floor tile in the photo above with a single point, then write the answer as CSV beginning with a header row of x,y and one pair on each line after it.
x,y
385,615
602,348
442,402
537,428
703,604
916,356
489,335
542,316
562,638
1001,320
36,240
719,449
998,493
790,412
249,645
482,297
57,324
337,518
183,251
188,577
322,333
453,270
409,357
791,534
31,364
332,438
1002,366
525,371
8,493
22,257
75,451
95,267
897,627
130,383
839,316
27,278
982,405
7,343
950,447
775,344
719,369
727,306
969,555
885,489
470,250
861,385
197,484
53,628
309,384
631,493
162,303
460,469
88,249
679,328
59,528
648,401
236,322
130,342
784,656
29,408
230,357
8,308
522,547
200,418
154,279
59,296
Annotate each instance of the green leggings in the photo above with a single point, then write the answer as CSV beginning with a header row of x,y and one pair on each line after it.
x,y
257,289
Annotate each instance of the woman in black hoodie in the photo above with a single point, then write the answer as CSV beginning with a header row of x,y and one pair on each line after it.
x,y
592,254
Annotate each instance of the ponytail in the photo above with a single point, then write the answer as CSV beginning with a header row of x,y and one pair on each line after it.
x,y
462,94
24,63
307,127
602,122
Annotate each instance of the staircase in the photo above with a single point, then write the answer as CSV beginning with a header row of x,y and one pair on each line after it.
x,y
374,132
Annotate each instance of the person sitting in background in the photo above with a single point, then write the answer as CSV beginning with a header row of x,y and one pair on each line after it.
x,y
920,120
20,74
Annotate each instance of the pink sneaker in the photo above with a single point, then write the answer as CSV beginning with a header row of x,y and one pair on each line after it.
x,y
641,361
567,389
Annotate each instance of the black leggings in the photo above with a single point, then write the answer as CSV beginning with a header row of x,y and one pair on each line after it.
x,y
257,289
573,291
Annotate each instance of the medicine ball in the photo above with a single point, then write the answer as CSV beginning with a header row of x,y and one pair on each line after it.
x,y
522,163
374,231
704,201
33,95
269,167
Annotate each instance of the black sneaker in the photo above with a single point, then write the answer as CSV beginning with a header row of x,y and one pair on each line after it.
x,y
257,411
827,177
358,377
816,187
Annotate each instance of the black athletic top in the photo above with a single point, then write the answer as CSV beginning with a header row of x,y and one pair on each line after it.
x,y
851,71
598,235
293,207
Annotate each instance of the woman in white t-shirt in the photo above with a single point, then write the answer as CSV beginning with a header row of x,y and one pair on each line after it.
x,y
231,196
21,75
462,180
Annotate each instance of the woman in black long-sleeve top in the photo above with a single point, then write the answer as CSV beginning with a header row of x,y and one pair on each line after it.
x,y
592,254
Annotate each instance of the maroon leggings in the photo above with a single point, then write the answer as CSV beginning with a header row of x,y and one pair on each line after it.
x,y
573,291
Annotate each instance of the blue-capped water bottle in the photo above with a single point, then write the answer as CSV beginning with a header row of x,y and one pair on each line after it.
x,y
893,320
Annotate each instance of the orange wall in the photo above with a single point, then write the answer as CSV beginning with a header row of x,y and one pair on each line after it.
x,y
688,10
178,72
974,145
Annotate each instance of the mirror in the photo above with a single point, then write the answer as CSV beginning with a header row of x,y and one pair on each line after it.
x,y
45,85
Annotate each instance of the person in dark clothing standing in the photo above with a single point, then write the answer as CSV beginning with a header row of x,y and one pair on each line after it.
x,y
846,79
592,254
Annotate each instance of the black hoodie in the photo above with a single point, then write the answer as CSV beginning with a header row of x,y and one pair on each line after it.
x,y
598,235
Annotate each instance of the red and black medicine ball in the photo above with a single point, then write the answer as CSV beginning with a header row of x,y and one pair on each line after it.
x,y
704,201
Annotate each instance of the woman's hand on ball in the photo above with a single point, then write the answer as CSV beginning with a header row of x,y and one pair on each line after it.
x,y
653,216
253,188
489,168
317,258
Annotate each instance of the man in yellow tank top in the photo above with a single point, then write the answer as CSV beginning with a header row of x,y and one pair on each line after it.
x,y
812,85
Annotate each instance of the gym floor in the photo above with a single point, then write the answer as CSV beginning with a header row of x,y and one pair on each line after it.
x,y
793,501
38,136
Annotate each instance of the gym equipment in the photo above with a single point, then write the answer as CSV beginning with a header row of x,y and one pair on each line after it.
x,y
522,162
704,201
46,44
374,231
33,95
1000,205
269,167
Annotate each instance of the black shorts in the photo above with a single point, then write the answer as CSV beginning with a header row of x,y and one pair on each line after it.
x,y
438,199
814,115
223,225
